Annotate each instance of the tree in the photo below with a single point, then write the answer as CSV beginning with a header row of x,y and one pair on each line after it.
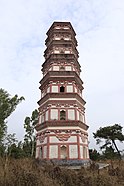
x,y
94,155
29,125
17,150
7,105
110,134
110,153
10,140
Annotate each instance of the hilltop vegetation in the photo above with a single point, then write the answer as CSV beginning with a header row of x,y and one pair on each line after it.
x,y
30,172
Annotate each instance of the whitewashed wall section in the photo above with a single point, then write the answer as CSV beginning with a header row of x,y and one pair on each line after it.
x,y
67,51
55,68
48,89
57,38
80,116
77,115
71,114
54,139
75,89
81,151
55,89
46,115
45,152
84,152
73,151
41,118
69,88
68,68
72,139
37,152
53,151
87,152
56,51
54,114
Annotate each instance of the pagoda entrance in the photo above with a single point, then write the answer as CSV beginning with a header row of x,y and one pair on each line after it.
x,y
63,152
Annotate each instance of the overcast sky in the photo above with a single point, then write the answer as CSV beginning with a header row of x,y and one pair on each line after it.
x,y
99,25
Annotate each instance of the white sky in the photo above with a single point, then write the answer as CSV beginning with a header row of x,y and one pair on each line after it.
x,y
100,33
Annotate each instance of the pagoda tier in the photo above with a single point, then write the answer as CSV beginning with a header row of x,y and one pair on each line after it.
x,y
61,130
61,58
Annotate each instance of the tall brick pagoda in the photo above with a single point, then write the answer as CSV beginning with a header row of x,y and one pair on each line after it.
x,y
61,130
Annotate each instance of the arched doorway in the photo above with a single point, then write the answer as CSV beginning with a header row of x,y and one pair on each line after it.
x,y
63,152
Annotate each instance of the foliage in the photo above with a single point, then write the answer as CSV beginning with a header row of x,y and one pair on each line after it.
x,y
8,104
10,140
17,151
29,139
94,155
110,153
2,150
110,134
27,171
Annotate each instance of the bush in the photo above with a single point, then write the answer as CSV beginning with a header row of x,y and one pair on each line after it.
x,y
30,172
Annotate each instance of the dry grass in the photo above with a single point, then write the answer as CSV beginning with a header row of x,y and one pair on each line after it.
x,y
28,172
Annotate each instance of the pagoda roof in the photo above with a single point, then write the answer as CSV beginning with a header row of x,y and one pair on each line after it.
x,y
56,23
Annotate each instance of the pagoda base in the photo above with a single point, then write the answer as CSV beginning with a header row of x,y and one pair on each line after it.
x,y
65,162
71,162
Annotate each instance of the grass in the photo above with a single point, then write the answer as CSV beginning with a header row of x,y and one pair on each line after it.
x,y
30,172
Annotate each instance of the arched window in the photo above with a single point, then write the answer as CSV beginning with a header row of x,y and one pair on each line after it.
x,y
62,115
62,68
62,51
62,89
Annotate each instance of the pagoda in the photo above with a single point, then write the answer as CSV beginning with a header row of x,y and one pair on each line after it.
x,y
61,130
